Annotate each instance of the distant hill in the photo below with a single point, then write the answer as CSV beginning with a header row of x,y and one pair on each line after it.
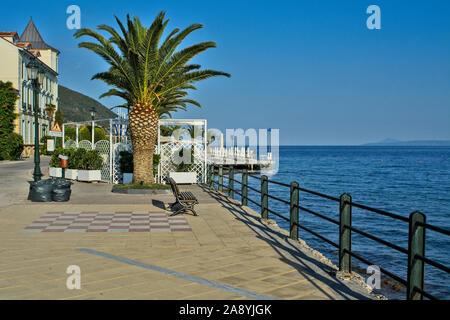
x,y
412,143
77,107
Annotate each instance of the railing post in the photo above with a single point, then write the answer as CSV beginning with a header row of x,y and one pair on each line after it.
x,y
416,247
212,176
231,183
345,234
244,187
264,197
293,220
220,178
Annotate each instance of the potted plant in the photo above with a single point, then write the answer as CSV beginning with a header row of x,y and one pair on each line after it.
x,y
75,157
89,166
55,168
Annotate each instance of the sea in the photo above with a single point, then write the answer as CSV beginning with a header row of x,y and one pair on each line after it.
x,y
395,179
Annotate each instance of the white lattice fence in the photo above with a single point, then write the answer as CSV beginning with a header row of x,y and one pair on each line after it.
x,y
85,144
117,148
169,152
70,144
102,147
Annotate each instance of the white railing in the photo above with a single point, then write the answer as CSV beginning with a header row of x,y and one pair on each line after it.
x,y
237,156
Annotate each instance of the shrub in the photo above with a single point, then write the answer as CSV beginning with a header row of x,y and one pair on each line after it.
x,y
91,160
86,134
126,162
54,161
8,98
11,146
76,158
43,145
70,133
16,145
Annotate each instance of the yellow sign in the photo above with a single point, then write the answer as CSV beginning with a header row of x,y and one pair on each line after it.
x,y
55,131
56,128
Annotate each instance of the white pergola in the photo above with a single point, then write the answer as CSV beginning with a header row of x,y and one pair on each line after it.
x,y
199,140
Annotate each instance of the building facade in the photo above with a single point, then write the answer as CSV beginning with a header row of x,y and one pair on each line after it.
x,y
15,53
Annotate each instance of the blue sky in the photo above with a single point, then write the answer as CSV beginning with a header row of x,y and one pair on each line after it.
x,y
310,68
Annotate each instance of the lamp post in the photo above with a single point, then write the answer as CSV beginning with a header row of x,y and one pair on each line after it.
x,y
93,125
36,76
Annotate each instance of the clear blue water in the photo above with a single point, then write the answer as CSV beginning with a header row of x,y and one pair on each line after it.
x,y
396,179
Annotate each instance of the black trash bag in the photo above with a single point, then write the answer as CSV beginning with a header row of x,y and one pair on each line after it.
x,y
61,194
40,191
61,183
61,190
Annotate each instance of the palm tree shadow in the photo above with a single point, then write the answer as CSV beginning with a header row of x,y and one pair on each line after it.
x,y
159,204
313,270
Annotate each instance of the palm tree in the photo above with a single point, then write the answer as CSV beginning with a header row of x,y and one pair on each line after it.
x,y
152,77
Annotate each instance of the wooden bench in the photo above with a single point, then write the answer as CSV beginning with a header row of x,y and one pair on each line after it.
x,y
184,201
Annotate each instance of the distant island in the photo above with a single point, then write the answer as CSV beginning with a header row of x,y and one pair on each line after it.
x,y
411,143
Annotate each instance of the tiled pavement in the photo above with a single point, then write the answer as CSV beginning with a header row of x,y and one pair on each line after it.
x,y
108,221
227,244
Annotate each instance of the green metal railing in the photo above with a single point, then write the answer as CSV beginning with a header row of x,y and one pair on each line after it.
x,y
415,253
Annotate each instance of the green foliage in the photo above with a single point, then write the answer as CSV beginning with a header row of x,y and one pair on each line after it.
x,y
154,186
183,166
70,133
76,158
43,144
86,134
9,142
59,118
50,108
126,162
58,142
143,70
91,160
8,98
16,145
11,147
54,161
156,159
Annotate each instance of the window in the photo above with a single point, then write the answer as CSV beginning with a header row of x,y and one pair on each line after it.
x,y
24,130
22,97
29,132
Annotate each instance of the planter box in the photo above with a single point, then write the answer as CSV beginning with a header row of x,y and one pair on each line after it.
x,y
55,172
71,174
184,177
89,175
127,178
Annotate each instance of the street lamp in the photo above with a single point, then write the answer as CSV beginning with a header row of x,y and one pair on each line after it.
x,y
93,113
93,125
36,76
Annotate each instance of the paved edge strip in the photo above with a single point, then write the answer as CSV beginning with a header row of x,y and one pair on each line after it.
x,y
181,275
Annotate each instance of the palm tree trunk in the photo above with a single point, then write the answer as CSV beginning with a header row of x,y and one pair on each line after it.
x,y
143,122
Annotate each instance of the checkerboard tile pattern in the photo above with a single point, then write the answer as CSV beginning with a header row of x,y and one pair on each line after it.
x,y
117,221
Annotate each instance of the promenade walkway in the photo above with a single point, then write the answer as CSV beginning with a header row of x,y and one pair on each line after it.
x,y
224,253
